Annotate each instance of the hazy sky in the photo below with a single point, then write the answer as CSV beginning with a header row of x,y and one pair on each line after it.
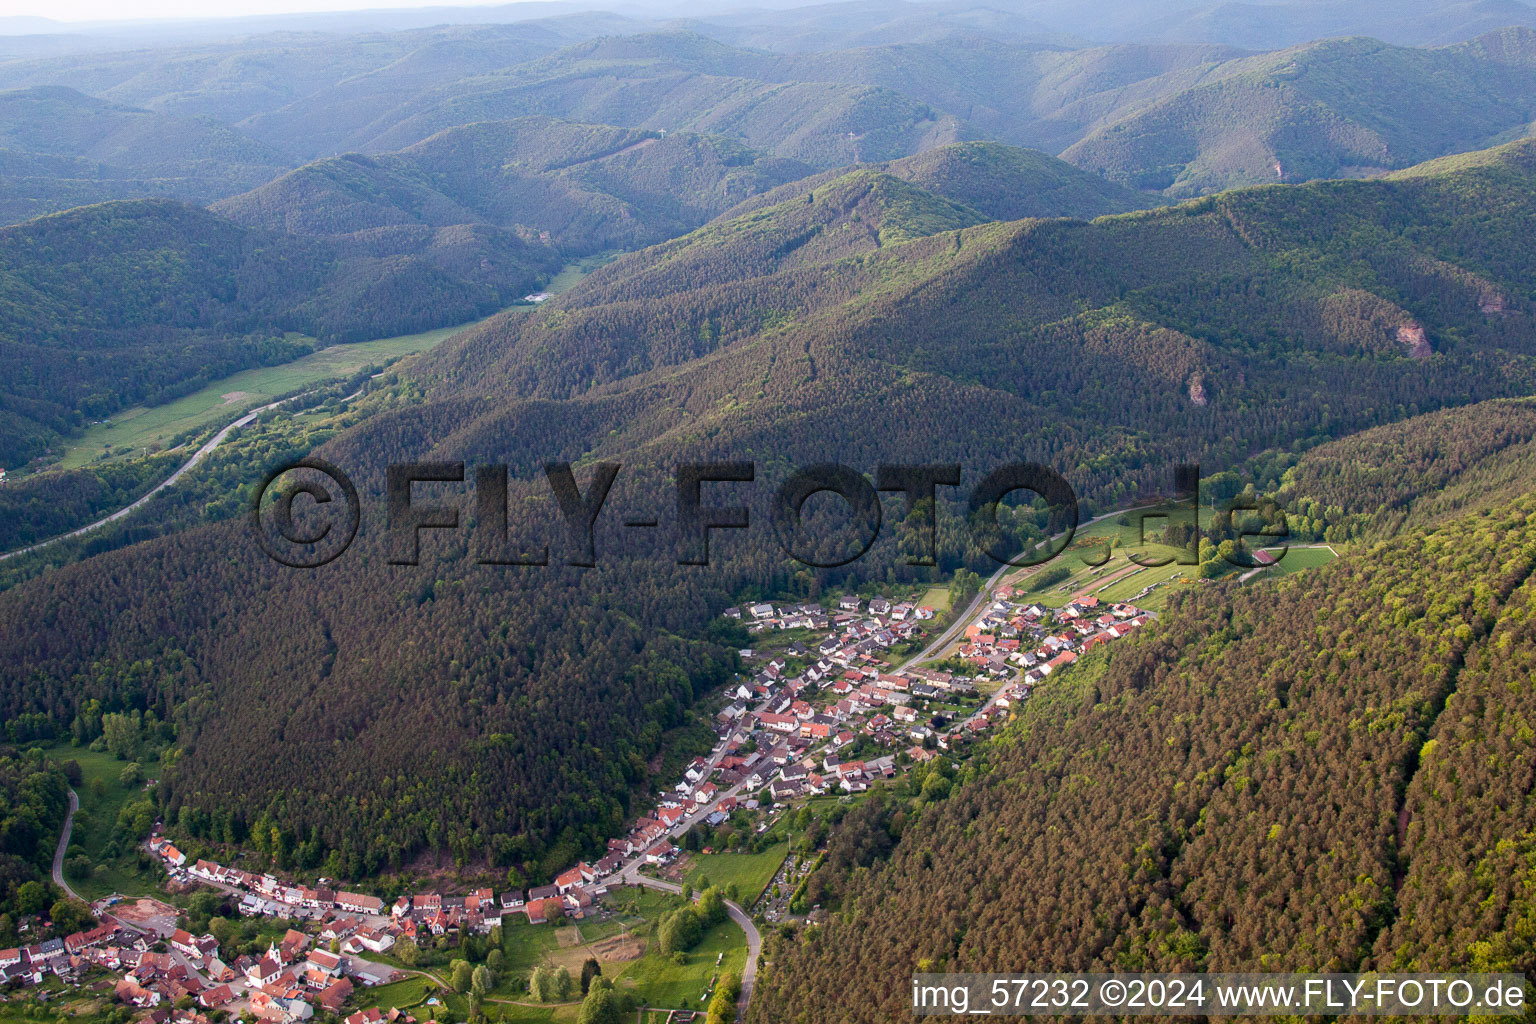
x,y
118,10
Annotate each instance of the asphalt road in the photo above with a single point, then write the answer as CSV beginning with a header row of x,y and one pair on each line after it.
x,y
197,456
633,876
58,853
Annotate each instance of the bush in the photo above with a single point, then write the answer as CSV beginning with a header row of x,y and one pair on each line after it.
x,y
1049,576
679,931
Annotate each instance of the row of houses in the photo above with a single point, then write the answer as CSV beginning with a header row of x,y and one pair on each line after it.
x,y
28,965
795,765
767,616
1009,638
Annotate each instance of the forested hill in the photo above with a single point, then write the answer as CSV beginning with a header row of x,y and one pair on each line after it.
x,y
1171,119
865,321
998,181
1335,108
1007,183
582,187
1330,772
1416,472
61,148
673,81
131,302
1208,330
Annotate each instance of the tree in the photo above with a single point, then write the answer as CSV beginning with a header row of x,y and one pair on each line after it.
x,y
564,984
462,975
679,931
482,981
722,1005
124,734
711,907
542,984
494,960
71,916
600,1007
589,970
224,930
935,787
31,897
407,952
131,775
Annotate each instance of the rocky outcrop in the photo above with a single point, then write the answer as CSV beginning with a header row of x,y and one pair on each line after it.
x,y
1413,336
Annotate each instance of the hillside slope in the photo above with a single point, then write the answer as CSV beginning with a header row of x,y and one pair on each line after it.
x,y
998,181
866,321
1334,108
1414,473
60,148
585,188
1328,772
130,302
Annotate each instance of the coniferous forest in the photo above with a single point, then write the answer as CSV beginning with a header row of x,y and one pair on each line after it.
x,y
1295,252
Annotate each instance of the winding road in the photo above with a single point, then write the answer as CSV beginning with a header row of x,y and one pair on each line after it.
x,y
984,594
197,456
58,853
631,875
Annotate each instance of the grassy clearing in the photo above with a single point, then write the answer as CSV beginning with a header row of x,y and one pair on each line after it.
x,y
1118,579
529,1014
661,981
102,796
749,872
131,431
571,273
407,992
525,945
597,931
1297,559
224,400
936,598
635,965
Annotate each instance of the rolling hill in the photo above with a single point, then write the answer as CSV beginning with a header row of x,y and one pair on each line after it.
x,y
671,82
1007,183
1418,472
1337,108
583,188
60,148
232,79
865,321
136,301
1176,118
1272,26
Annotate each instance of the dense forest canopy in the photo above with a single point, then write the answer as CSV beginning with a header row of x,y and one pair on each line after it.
x,y
863,234
1327,773
134,302
862,320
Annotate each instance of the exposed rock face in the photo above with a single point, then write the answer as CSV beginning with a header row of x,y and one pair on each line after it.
x,y
1412,335
1491,302
1197,390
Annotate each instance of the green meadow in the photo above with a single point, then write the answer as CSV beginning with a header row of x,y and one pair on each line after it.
x,y
102,796
133,431
749,872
